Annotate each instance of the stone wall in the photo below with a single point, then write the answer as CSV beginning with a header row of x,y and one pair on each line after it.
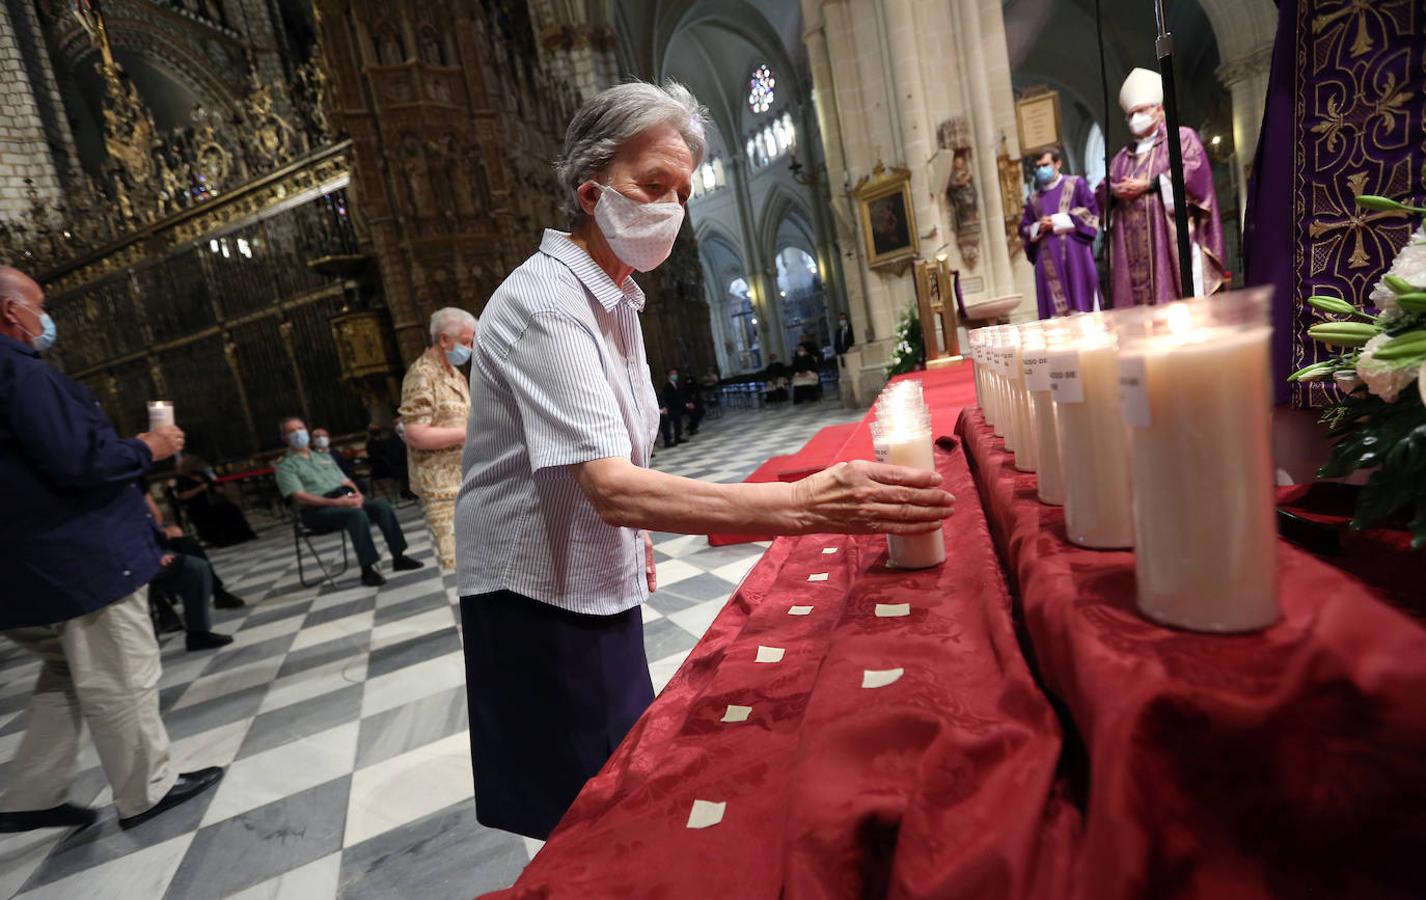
x,y
32,124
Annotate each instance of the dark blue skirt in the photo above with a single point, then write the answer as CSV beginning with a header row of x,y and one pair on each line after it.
x,y
551,693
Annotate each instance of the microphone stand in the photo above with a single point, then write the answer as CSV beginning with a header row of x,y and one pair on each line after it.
x,y
1105,223
1164,46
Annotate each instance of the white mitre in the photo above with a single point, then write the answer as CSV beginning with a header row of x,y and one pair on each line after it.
x,y
1141,87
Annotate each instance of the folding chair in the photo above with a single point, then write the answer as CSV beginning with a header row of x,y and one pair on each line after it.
x,y
301,534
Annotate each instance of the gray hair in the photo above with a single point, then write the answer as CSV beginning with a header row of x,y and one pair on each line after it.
x,y
452,318
612,117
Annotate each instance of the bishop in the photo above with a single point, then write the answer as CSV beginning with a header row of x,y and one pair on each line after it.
x,y
1144,243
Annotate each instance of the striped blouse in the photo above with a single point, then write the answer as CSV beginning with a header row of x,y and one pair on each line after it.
x,y
559,377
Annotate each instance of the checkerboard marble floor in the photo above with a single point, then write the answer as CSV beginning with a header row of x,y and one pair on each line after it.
x,y
340,714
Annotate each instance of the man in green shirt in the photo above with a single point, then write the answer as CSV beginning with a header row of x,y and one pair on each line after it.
x,y
327,500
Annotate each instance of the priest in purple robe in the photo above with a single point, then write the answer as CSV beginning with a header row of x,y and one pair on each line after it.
x,y
1058,229
1144,237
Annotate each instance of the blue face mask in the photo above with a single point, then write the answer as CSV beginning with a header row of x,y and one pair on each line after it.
x,y
299,439
458,355
45,339
1045,174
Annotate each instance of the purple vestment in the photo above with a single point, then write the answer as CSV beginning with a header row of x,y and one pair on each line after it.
x,y
1144,239
1065,276
1345,115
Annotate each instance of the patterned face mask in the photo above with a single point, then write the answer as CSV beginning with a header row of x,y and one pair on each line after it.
x,y
640,234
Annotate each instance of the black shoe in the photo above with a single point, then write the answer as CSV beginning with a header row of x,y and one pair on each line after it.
x,y
406,564
207,640
188,786
371,578
225,600
66,815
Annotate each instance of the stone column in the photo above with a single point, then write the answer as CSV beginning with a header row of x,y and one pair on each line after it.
x,y
763,287
1246,78
843,240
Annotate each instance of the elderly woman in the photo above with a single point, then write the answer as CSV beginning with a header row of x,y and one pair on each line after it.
x,y
435,404
557,498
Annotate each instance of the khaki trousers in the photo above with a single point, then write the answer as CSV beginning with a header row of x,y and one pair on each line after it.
x,y
441,520
101,669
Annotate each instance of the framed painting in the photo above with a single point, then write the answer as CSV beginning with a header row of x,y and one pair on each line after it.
x,y
1038,119
888,219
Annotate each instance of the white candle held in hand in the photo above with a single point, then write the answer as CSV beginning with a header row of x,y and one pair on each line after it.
x,y
160,414
901,436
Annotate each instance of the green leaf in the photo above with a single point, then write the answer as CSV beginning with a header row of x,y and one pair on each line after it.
x,y
1379,499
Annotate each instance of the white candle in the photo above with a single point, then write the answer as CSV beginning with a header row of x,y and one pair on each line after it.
x,y
1089,427
901,436
1035,359
1025,455
1196,379
997,420
160,414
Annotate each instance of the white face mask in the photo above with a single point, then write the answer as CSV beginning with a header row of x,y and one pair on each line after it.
x,y
1141,123
640,234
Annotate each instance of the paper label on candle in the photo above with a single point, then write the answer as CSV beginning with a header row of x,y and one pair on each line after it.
x,y
1037,370
882,452
875,678
1065,382
1134,390
706,813
737,713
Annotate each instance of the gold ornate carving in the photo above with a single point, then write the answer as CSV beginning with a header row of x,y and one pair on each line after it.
x,y
1012,188
362,345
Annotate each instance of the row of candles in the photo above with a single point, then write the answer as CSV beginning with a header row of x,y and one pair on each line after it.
x,y
1151,427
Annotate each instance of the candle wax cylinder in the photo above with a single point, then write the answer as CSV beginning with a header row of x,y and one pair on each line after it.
x,y
1051,478
1025,455
912,551
160,414
1203,481
998,392
1007,402
1094,455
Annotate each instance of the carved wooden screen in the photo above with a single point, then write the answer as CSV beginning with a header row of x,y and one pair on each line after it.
x,y
233,328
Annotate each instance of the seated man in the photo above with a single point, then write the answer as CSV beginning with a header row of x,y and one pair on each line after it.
x,y
175,541
322,443
193,580
327,500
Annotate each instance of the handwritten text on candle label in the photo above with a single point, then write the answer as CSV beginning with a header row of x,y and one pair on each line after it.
x,y
1065,383
1037,370
1134,390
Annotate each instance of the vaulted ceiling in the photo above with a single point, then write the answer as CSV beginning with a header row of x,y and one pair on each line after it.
x,y
713,46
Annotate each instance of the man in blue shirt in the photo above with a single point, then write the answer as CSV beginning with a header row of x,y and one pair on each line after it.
x,y
78,546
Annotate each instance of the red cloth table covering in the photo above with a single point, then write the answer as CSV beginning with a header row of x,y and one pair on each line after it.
x,y
942,783
1286,763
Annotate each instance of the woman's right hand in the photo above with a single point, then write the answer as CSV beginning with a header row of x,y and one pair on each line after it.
x,y
872,498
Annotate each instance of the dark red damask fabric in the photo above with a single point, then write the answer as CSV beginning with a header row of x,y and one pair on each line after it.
x,y
943,783
1289,763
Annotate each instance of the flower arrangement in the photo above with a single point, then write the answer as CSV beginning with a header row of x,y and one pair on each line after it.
x,y
909,352
1379,421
